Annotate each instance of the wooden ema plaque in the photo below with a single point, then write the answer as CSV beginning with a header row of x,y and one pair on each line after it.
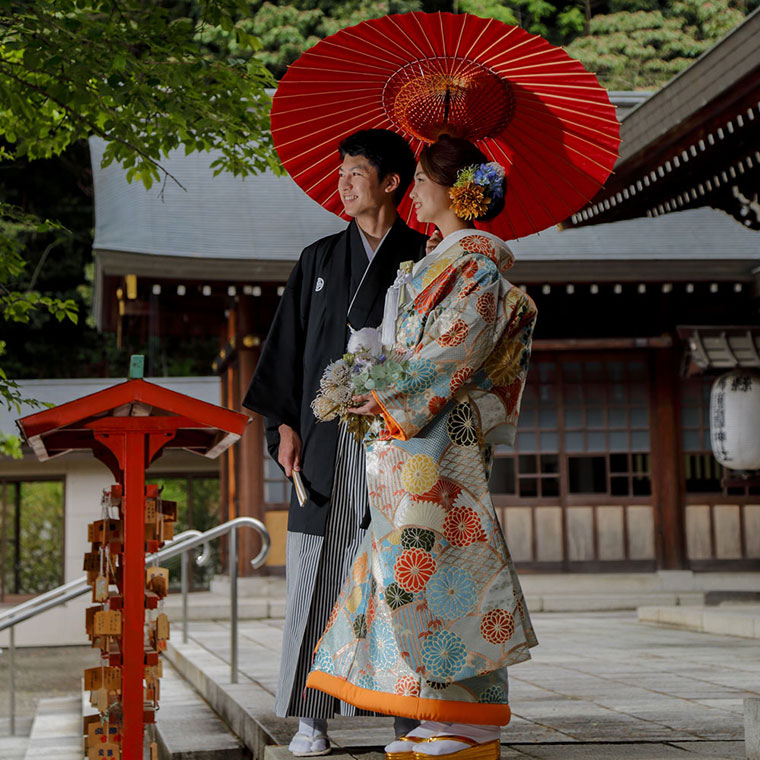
x,y
108,572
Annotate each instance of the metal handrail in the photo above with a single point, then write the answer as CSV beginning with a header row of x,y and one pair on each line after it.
x,y
180,545
73,589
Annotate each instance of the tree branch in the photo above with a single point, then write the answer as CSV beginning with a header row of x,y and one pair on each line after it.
x,y
94,127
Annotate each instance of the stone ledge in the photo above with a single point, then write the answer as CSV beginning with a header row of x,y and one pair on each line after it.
x,y
725,621
752,728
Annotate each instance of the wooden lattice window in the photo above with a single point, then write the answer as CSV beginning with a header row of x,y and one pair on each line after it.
x,y
584,429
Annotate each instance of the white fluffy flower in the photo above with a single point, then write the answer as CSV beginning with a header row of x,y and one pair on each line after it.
x,y
337,373
365,340
324,408
341,394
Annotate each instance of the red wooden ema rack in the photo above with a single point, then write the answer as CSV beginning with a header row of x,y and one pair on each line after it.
x,y
127,427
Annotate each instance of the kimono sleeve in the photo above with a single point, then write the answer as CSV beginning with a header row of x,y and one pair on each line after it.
x,y
275,389
459,333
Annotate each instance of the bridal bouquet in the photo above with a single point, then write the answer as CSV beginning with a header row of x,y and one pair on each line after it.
x,y
366,366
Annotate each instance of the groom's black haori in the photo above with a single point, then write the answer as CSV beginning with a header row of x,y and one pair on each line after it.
x,y
310,330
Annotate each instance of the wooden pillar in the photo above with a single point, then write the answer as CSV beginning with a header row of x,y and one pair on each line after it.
x,y
667,460
227,461
250,448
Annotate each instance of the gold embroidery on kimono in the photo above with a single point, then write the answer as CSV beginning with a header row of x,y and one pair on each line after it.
x,y
432,612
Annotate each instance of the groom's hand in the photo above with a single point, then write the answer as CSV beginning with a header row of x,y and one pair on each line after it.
x,y
289,453
433,241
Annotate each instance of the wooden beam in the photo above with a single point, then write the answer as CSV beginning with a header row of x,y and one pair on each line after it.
x,y
667,461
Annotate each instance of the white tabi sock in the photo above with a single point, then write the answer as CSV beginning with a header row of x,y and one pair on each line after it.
x,y
481,734
423,731
311,738
312,726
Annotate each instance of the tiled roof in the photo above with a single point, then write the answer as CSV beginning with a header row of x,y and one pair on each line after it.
x,y
222,217
700,233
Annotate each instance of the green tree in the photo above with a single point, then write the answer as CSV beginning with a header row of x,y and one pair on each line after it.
x,y
33,560
18,306
285,31
643,49
140,75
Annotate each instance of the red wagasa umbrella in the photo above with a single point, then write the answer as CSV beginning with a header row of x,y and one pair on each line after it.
x,y
524,102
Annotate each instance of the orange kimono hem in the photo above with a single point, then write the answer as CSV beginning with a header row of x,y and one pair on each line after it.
x,y
410,707
393,427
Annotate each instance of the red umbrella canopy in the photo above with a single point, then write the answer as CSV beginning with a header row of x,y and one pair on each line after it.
x,y
525,103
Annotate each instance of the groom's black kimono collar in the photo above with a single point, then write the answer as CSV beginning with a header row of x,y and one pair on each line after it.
x,y
310,329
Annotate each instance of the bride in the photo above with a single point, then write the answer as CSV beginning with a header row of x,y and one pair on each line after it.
x,y
432,612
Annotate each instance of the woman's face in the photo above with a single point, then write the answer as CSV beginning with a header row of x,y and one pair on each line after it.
x,y
430,199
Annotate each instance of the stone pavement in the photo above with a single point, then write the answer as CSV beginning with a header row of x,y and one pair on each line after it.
x,y
601,686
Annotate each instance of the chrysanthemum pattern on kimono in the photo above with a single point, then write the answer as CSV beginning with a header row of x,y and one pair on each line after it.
x,y
433,612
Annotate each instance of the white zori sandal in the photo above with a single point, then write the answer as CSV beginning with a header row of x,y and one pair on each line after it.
x,y
447,741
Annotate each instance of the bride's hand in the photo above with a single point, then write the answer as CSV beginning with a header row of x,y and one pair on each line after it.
x,y
365,405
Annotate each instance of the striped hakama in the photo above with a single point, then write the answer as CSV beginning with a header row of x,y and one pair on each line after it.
x,y
317,566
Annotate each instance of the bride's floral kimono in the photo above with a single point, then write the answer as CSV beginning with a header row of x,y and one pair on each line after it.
x,y
432,612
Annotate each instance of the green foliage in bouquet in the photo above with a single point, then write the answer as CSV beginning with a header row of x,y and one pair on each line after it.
x,y
380,376
366,367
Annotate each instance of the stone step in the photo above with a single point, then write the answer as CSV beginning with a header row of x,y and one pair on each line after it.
x,y
661,581
740,620
260,586
13,747
210,605
610,602
57,730
246,707
188,729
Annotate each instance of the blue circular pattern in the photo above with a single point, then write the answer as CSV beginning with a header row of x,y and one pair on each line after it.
x,y
493,695
421,374
443,655
323,662
450,593
382,645
367,682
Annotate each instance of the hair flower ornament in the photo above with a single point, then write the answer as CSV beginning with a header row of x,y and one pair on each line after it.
x,y
476,188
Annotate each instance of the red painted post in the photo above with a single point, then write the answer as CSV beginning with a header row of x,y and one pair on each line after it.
x,y
132,640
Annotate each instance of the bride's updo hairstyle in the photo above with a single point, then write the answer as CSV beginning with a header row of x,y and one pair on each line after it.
x,y
443,161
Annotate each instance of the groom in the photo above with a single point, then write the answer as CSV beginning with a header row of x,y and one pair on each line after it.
x,y
339,281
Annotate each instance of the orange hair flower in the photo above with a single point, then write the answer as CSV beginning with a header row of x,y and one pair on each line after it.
x,y
469,200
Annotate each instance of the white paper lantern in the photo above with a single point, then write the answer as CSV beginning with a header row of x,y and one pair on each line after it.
x,y
735,420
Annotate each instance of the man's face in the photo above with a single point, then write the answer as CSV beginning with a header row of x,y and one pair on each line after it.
x,y
360,188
